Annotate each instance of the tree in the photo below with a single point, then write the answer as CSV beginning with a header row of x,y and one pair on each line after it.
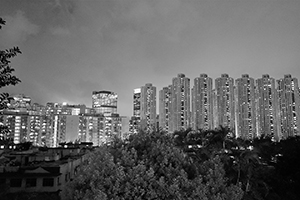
x,y
149,166
241,159
285,180
6,78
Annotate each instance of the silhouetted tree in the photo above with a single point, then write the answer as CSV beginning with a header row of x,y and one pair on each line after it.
x,y
240,158
24,146
285,181
6,78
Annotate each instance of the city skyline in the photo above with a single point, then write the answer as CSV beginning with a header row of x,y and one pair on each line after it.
x,y
248,107
138,90
71,48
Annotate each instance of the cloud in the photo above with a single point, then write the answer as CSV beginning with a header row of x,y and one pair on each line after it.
x,y
57,3
60,31
168,19
18,29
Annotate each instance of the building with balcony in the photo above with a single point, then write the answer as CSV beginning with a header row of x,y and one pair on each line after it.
x,y
202,110
245,107
224,101
148,107
135,120
180,103
267,107
289,103
165,108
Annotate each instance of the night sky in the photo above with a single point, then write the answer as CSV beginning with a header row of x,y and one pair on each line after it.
x,y
71,48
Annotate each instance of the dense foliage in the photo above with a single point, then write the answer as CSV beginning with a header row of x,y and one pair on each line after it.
x,y
150,166
191,165
264,168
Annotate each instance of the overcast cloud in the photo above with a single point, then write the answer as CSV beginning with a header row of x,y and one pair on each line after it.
x,y
71,48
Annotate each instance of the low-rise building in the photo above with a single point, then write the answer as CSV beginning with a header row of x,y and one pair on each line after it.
x,y
40,170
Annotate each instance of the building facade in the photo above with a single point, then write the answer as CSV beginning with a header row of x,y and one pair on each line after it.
x,y
42,173
267,107
288,99
224,102
135,120
56,123
105,102
180,103
148,107
165,108
245,107
20,101
18,124
203,103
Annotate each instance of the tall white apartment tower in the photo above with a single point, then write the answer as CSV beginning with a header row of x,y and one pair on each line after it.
x,y
245,107
193,112
202,103
225,102
136,118
180,103
148,107
165,108
288,97
267,107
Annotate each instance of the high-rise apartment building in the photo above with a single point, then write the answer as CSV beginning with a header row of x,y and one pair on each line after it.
x,y
91,128
137,102
193,113
245,107
288,99
134,123
112,128
60,122
215,109
57,129
18,124
203,103
98,128
224,102
34,129
148,107
180,103
105,102
165,108
20,101
45,131
267,107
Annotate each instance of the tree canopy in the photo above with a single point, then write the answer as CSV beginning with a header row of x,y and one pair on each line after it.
x,y
150,166
6,71
188,164
6,77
